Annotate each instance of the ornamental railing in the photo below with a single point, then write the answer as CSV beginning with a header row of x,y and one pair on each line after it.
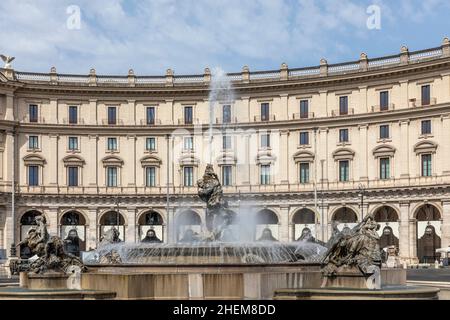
x,y
283,74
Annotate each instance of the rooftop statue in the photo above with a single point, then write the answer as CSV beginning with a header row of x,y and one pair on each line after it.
x,y
7,60
49,250
356,248
218,217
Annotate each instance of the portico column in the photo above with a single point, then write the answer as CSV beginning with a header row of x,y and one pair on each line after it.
x,y
284,156
404,231
9,110
445,147
130,234
52,222
446,224
322,233
404,149
284,224
92,237
363,161
413,239
171,227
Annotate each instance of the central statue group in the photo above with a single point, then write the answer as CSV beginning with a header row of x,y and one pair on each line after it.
x,y
218,216
358,247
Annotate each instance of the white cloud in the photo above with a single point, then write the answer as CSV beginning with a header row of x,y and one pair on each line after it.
x,y
186,35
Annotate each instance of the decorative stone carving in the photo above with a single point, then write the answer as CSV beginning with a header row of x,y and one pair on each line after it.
x,y
7,60
218,217
357,247
49,250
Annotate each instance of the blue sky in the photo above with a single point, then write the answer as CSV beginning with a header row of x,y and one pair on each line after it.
x,y
189,35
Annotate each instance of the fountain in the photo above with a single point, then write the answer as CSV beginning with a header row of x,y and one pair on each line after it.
x,y
221,265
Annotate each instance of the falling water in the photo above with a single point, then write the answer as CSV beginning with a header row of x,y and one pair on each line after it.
x,y
221,91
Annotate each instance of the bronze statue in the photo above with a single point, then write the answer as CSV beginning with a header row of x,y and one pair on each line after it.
x,y
151,237
218,217
49,250
357,248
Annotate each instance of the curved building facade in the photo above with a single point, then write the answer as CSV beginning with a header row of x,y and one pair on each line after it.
x,y
307,149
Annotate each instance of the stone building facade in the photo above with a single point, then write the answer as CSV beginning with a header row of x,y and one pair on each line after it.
x,y
300,148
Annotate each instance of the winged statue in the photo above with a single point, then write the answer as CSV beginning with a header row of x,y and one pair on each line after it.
x,y
7,60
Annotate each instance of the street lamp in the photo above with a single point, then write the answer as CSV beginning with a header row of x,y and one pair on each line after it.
x,y
362,191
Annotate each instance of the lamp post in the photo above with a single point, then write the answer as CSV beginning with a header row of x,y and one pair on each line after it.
x,y
362,191
117,214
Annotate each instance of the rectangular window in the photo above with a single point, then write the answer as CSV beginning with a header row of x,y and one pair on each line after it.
x,y
426,95
344,171
111,176
33,113
226,175
426,165
150,115
385,168
304,138
188,143
426,127
265,112
73,114
33,142
33,176
304,172
188,176
304,109
265,141
265,174
112,144
343,135
226,114
73,176
112,115
73,143
188,117
384,100
226,142
150,176
150,144
384,132
343,105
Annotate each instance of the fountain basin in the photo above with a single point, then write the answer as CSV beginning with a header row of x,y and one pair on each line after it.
x,y
213,281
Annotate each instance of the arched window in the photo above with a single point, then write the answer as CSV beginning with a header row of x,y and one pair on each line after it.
x,y
345,218
73,231
389,234
112,219
304,220
189,226
267,226
151,220
428,233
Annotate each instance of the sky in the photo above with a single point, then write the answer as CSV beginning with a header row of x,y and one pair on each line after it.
x,y
150,36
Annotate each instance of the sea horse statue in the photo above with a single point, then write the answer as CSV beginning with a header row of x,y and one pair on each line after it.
x,y
218,216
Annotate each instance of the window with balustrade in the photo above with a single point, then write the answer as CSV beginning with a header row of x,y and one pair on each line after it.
x,y
226,142
150,115
343,105
344,170
150,176
384,100
265,174
188,176
72,176
226,114
188,144
426,165
304,109
33,176
304,172
33,113
265,141
112,176
265,111
426,95
188,115
227,175
385,168
112,115
73,114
